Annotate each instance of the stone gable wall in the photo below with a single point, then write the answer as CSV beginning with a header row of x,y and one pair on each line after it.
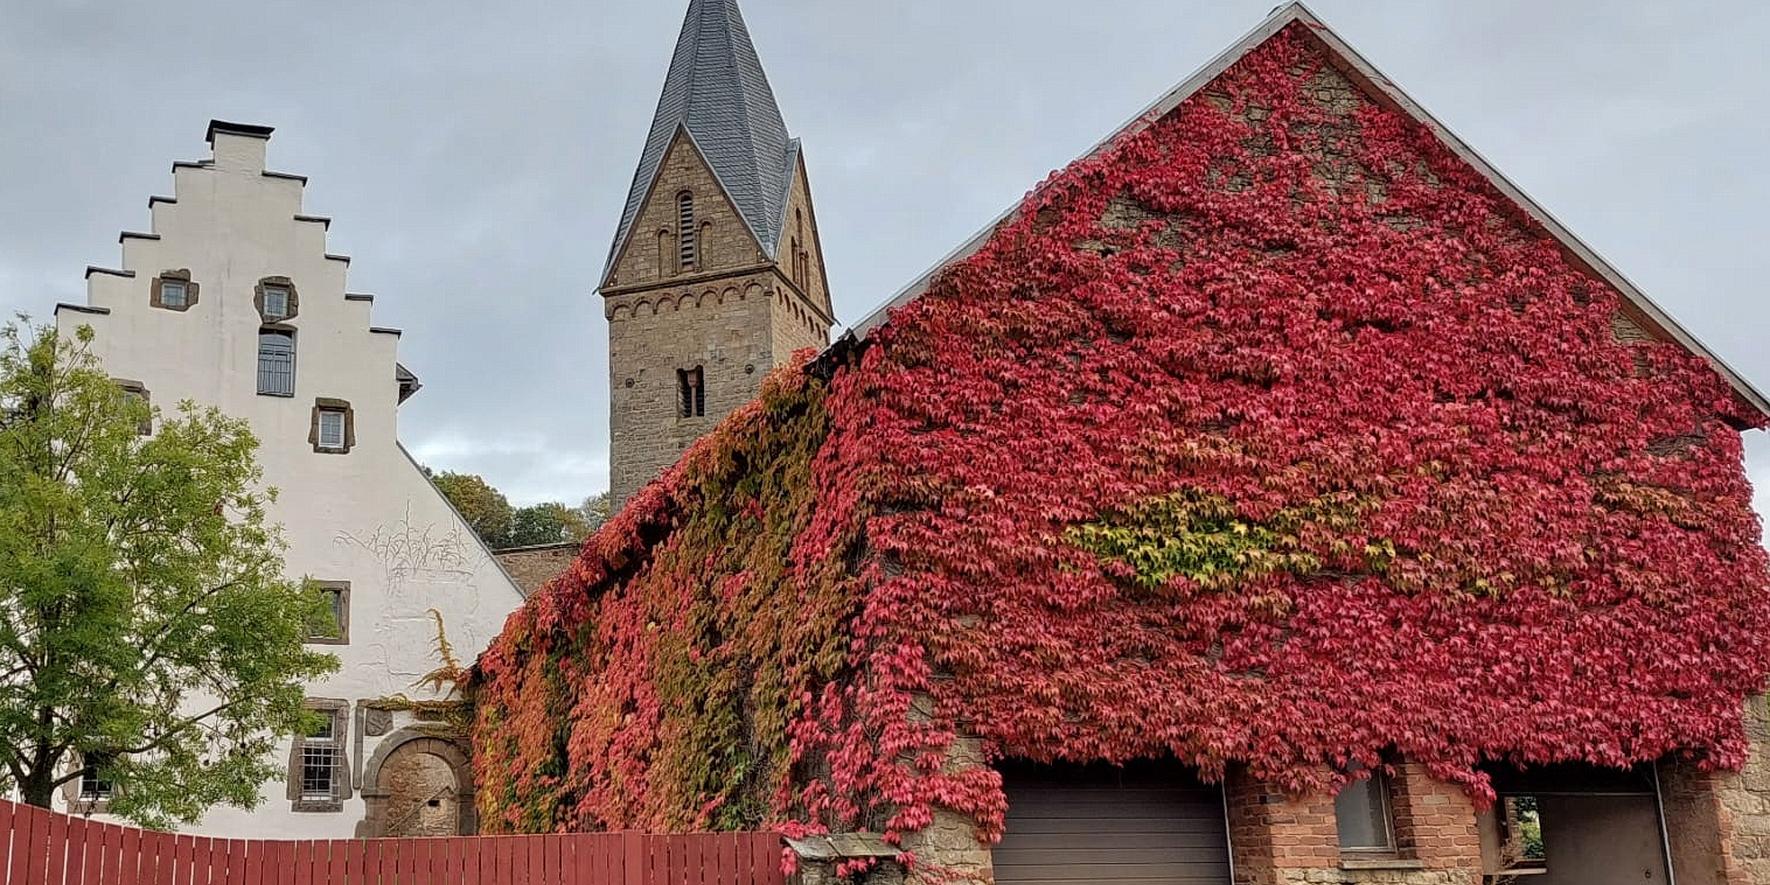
x,y
531,567
727,244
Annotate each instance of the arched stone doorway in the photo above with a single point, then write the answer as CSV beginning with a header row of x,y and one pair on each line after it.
x,y
418,784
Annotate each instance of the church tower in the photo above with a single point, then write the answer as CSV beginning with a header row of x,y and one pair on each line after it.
x,y
716,274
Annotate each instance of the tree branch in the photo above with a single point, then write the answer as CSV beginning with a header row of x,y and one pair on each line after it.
x,y
184,724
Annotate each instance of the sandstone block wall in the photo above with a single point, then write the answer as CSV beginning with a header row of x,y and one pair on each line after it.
x,y
532,567
723,328
1718,823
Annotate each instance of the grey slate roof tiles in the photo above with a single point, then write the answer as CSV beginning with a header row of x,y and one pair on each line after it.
x,y
717,92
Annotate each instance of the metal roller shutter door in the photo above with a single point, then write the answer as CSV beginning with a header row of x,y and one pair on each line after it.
x,y
1082,825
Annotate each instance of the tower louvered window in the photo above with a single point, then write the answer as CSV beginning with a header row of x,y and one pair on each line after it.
x,y
685,229
801,263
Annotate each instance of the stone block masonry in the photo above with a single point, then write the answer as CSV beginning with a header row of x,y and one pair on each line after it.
x,y
731,312
1718,823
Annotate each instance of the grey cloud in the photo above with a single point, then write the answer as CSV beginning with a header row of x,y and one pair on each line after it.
x,y
475,156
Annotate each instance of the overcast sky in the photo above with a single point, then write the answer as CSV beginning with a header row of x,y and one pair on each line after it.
x,y
474,156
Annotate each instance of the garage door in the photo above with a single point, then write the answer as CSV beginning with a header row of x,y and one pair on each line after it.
x,y
1146,823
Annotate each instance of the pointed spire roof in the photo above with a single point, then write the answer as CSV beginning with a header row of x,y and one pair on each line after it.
x,y
717,93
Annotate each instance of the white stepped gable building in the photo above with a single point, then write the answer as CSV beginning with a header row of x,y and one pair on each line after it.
x,y
231,300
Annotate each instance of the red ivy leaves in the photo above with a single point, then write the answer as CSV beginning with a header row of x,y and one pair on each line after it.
x,y
1279,294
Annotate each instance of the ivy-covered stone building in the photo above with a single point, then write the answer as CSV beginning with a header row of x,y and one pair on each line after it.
x,y
1275,495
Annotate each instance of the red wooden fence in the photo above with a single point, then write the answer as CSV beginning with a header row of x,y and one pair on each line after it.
x,y
43,848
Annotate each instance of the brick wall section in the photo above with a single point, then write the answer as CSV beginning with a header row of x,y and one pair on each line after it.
x,y
1272,832
1279,839
1718,823
1435,821
532,567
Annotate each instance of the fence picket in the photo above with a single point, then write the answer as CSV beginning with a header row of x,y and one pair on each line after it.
x,y
147,866
372,863
165,858
92,855
353,863
181,861
332,870
22,822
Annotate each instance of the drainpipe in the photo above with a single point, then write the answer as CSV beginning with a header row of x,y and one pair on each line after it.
x,y
1665,839
1228,833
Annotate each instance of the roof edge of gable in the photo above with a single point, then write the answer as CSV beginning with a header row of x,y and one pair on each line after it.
x,y
1387,89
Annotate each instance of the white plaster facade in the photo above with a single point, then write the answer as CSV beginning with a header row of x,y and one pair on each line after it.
x,y
367,516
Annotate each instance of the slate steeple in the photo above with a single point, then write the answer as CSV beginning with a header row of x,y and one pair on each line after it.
x,y
717,93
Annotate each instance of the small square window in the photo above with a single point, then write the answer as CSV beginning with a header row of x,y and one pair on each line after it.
x,y
173,290
92,787
137,396
334,629
276,303
331,428
1362,814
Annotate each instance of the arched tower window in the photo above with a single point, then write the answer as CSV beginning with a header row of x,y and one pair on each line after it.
x,y
686,242
691,392
801,264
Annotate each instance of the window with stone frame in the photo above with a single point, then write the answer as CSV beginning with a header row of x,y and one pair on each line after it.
x,y
319,761
93,786
276,299
276,362
332,430
91,792
334,629
137,392
691,392
1364,816
173,290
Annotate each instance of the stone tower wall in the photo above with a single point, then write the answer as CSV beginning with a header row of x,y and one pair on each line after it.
x,y
724,326
735,313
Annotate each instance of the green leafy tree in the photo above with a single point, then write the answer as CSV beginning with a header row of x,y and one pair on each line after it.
x,y
596,510
145,627
486,509
550,523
